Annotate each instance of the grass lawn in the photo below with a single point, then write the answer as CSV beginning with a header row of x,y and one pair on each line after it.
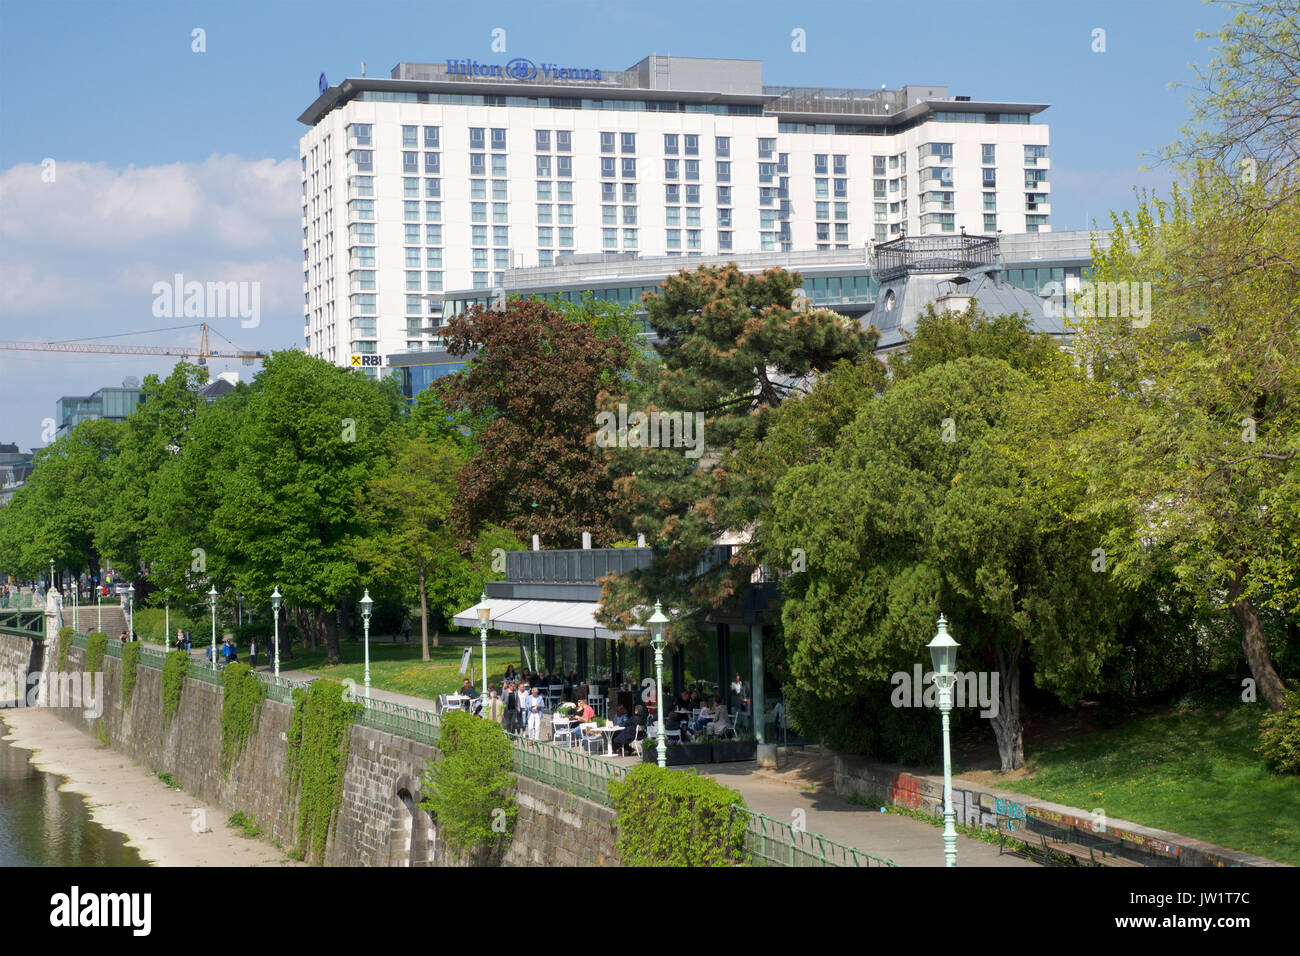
x,y
1192,772
397,667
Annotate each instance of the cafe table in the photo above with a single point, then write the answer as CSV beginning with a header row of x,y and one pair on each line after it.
x,y
609,730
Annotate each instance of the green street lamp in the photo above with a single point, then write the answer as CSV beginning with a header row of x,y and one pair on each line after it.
x,y
212,603
99,609
275,606
943,655
75,624
167,616
366,605
658,623
51,572
484,622
130,612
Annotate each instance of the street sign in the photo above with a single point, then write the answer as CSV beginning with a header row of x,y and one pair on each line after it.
x,y
464,659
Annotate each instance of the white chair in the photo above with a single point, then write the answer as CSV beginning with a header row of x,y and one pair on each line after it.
x,y
597,703
673,736
561,730
553,694
638,739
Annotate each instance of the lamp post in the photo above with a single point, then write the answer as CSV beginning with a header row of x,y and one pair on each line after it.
x,y
275,606
366,605
51,572
99,609
484,618
657,623
75,625
130,612
212,603
167,617
943,655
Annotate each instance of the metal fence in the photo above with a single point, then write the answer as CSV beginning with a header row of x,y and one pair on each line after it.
x,y
771,842
569,770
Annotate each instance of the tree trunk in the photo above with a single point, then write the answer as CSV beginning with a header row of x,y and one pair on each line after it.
x,y
1255,644
331,636
424,616
1007,728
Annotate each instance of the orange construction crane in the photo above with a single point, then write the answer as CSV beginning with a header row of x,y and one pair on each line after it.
x,y
202,352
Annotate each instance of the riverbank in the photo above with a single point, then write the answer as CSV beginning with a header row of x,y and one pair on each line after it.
x,y
166,826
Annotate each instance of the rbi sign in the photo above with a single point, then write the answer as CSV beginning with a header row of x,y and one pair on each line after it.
x,y
367,361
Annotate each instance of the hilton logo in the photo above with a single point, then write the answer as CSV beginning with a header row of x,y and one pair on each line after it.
x,y
520,70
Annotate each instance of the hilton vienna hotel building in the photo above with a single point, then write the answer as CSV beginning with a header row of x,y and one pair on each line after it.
x,y
445,175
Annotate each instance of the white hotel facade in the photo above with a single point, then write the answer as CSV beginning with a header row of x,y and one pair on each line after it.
x,y
443,176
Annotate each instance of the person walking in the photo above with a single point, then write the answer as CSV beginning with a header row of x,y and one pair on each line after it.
x,y
534,706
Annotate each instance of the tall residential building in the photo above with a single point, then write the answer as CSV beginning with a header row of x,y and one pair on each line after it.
x,y
445,176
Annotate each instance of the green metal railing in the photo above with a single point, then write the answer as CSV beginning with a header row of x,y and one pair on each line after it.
x,y
569,770
771,842
393,718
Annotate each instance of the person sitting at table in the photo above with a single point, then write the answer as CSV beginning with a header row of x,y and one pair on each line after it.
x,y
582,713
674,721
684,702
620,718
695,700
697,723
629,732
721,722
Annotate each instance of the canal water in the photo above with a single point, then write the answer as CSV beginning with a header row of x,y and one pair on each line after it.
x,y
40,826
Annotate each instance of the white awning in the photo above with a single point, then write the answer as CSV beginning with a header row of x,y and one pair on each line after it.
x,y
558,618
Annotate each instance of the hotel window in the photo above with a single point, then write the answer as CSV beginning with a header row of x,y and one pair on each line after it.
x,y
433,235
766,172
822,189
410,162
691,142
499,189
823,210
544,212
478,235
608,215
433,281
1034,200
766,195
498,139
608,192
543,190
412,234
782,162
566,213
480,258
414,303
672,193
629,238
410,137
564,166
410,187
475,137
365,256
365,185
629,142
629,215
364,160
544,234
724,172
724,195
722,145
1033,177
544,167
365,280
724,241
767,218
674,238
413,282
692,194
724,218
410,210
692,169
629,168
361,134
566,236
878,165
841,164
881,212
431,137
990,178
1033,223
823,232
477,164
500,235
432,163
563,141
670,144
500,258
609,238
990,223
480,280
365,209
673,215
841,211
841,232
671,167
499,166
433,258
432,187
629,192
766,147
412,259
500,212
1034,153
607,167
607,142
692,215
990,202
819,163
988,153
478,189
882,233
692,238
767,241
894,208
841,189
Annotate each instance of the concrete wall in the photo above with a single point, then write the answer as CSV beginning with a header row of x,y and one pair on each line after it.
x,y
19,656
980,806
379,822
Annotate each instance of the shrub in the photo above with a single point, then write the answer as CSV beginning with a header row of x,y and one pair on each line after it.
x,y
317,758
130,670
470,790
241,711
1279,734
671,818
96,646
176,668
65,641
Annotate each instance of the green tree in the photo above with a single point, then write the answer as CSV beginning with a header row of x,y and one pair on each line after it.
x,y
471,788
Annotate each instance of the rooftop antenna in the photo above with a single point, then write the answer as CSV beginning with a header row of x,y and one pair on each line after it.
x,y
363,67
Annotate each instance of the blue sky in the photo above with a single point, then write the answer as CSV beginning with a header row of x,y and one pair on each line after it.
x,y
170,160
